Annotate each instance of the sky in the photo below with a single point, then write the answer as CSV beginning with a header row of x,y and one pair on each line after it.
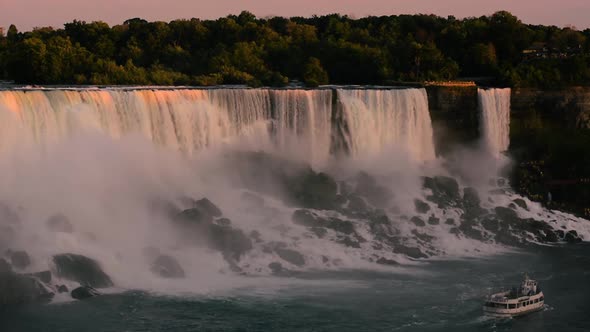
x,y
26,14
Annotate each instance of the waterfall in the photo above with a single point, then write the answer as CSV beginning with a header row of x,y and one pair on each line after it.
x,y
494,105
188,120
298,122
378,120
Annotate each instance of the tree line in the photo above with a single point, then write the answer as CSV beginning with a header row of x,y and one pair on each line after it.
x,y
331,49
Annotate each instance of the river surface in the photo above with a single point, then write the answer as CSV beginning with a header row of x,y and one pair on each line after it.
x,y
436,296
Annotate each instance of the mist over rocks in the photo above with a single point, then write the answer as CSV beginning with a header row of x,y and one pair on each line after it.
x,y
249,204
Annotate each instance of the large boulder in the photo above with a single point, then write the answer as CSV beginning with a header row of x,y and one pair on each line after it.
x,y
84,292
82,269
207,207
471,198
16,289
5,267
167,267
445,190
233,243
289,255
572,237
421,206
313,190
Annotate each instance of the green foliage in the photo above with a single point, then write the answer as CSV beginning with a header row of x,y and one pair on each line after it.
x,y
314,73
244,49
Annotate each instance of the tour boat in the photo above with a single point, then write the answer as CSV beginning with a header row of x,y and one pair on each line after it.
x,y
516,302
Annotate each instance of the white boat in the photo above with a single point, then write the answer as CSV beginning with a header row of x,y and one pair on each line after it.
x,y
517,301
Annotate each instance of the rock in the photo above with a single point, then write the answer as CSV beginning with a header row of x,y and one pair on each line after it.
x,y
319,231
421,206
62,289
560,233
572,237
256,236
313,190
409,251
433,220
450,221
193,217
252,201
385,261
84,292
357,203
520,202
82,269
5,267
445,190
223,222
233,243
167,267
276,267
506,214
447,186
342,226
349,242
60,223
418,222
20,259
551,237
471,197
512,206
340,200
16,289
207,207
304,218
290,256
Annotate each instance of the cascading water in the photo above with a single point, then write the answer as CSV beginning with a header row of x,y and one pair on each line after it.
x,y
494,105
379,120
108,161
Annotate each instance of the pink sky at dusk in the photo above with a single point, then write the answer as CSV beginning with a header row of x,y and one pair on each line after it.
x,y
26,14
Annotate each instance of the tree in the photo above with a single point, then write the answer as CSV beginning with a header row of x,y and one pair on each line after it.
x,y
314,74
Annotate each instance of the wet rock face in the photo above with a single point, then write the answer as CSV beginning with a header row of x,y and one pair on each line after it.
x,y
82,269
572,237
84,292
445,190
421,206
16,289
208,208
5,267
288,255
167,267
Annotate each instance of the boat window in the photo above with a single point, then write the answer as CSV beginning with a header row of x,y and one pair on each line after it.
x,y
536,300
512,306
541,299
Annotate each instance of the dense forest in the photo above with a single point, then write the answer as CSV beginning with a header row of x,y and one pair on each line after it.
x,y
333,49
